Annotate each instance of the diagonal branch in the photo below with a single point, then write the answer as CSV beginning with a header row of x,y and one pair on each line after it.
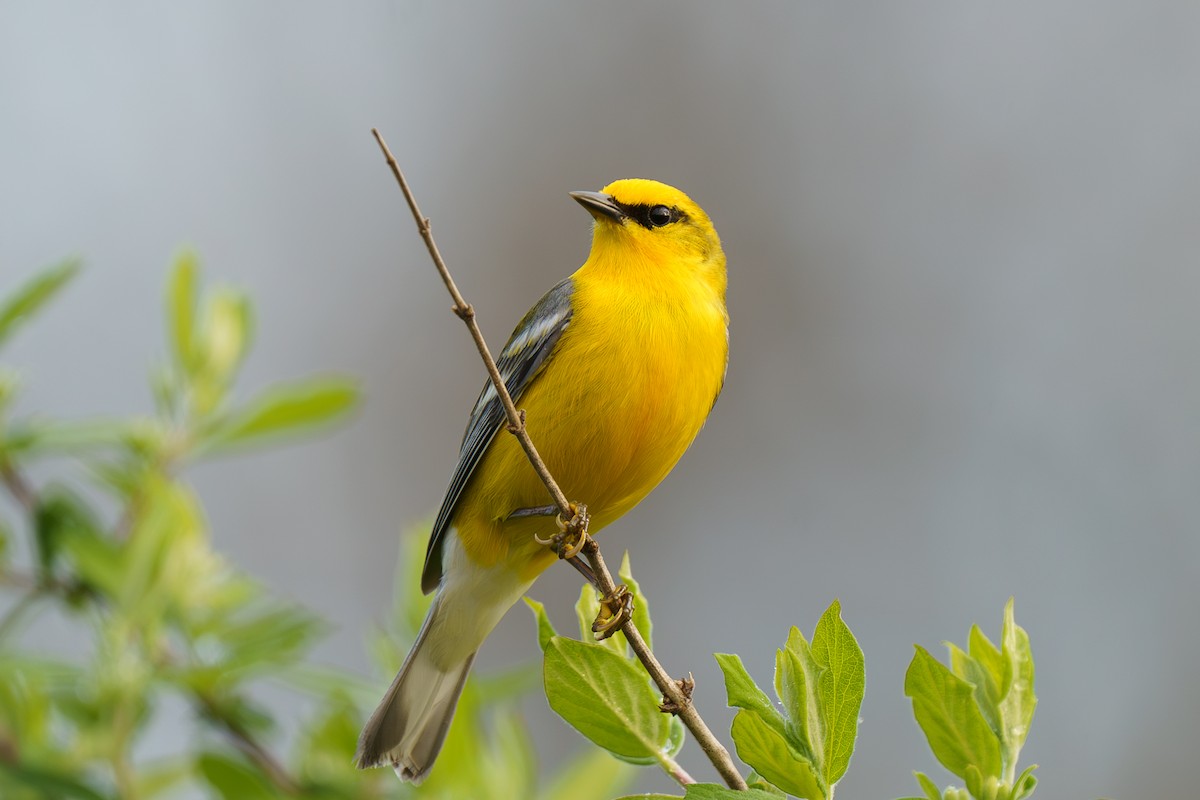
x,y
464,310
249,746
676,698
18,487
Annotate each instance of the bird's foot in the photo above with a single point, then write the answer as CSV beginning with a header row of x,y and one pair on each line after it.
x,y
686,686
572,534
616,609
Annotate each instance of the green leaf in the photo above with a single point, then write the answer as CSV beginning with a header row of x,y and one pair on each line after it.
x,y
166,554
22,304
508,759
48,783
322,681
756,781
650,797
285,409
181,310
944,706
641,606
1025,783
591,775
928,786
234,780
980,648
976,785
545,628
794,684
771,755
10,385
260,640
840,687
508,685
605,697
99,562
715,791
325,749
6,536
158,778
743,692
1019,703
61,516
979,676
228,331
67,438
676,736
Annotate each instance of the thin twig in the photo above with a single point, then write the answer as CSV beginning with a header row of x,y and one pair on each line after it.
x,y
18,487
679,701
249,746
12,617
677,773
516,420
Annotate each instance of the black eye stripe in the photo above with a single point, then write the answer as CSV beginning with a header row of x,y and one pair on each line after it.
x,y
640,213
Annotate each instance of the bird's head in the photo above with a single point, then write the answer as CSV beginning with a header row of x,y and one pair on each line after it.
x,y
654,220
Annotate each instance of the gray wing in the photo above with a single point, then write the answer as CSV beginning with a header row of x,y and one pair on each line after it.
x,y
530,345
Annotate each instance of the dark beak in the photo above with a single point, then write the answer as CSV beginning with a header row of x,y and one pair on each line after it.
x,y
599,205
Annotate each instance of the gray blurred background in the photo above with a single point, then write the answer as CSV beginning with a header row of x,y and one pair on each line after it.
x,y
963,286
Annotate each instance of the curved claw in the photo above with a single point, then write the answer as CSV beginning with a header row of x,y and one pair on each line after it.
x,y
569,551
615,610
572,534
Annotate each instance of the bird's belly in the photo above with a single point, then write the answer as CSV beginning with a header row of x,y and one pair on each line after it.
x,y
609,433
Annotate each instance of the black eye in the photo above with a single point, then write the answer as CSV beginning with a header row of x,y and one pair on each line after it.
x,y
659,216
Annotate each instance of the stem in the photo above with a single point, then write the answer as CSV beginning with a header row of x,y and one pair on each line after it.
x,y
672,768
681,702
9,622
123,774
516,419
249,746
18,487
1010,769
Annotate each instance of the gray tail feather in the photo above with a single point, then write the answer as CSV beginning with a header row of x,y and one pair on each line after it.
x,y
409,726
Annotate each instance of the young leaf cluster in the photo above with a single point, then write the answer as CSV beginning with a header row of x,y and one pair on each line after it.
x,y
976,713
803,746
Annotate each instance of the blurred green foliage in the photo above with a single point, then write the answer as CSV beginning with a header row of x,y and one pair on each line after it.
x,y
162,621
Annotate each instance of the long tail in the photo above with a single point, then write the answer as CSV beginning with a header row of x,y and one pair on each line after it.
x,y
408,728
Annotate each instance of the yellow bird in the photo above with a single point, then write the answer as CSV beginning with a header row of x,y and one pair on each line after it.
x,y
617,368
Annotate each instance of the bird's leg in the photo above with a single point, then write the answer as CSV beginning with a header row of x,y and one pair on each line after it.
x,y
573,533
536,511
586,571
615,610
570,539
